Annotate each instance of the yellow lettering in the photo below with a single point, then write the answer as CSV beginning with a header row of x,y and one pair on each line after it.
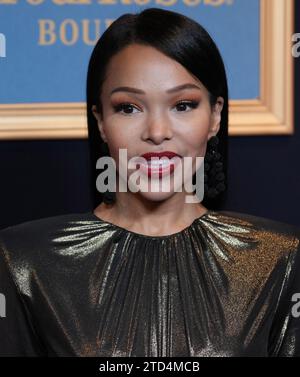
x,y
74,32
69,32
73,2
142,2
110,2
46,32
166,2
109,21
191,3
35,2
8,2
86,34
214,3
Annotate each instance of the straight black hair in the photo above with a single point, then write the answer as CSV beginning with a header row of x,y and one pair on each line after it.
x,y
179,38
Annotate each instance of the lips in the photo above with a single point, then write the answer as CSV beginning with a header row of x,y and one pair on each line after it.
x,y
168,154
158,164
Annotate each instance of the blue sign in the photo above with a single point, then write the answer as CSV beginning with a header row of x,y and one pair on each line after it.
x,y
47,43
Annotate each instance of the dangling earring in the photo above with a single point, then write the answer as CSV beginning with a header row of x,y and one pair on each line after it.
x,y
214,176
107,196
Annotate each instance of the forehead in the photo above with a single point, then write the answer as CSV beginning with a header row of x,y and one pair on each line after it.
x,y
146,67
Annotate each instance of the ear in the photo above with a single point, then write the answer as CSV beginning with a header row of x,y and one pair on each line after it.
x,y
98,117
216,118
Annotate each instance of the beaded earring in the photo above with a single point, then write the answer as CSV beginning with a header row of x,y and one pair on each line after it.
x,y
214,176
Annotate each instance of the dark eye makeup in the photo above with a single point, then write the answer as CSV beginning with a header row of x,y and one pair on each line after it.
x,y
126,105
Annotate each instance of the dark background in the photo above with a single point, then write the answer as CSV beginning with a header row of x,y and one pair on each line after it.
x,y
41,178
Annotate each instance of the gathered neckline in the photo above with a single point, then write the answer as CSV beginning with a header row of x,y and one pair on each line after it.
x,y
205,214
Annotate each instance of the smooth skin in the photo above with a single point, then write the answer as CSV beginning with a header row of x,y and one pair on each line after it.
x,y
152,122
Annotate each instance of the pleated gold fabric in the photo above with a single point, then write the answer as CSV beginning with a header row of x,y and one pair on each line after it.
x,y
76,285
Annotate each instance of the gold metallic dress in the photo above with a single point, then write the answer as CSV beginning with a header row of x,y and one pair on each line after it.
x,y
76,285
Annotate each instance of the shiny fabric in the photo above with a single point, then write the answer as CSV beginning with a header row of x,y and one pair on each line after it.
x,y
76,285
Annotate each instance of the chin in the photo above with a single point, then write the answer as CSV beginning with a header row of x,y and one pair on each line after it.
x,y
160,190
156,196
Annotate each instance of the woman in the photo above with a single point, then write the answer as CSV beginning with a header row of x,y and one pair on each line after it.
x,y
147,273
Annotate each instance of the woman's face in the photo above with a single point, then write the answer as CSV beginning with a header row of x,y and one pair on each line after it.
x,y
149,117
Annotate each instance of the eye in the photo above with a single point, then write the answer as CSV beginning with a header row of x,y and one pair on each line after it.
x,y
124,106
182,105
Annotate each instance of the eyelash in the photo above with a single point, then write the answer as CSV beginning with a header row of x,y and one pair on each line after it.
x,y
192,104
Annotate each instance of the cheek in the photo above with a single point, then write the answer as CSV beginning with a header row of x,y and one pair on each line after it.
x,y
194,138
119,139
195,146
121,129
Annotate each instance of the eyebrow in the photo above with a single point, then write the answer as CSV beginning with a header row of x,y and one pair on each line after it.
x,y
139,91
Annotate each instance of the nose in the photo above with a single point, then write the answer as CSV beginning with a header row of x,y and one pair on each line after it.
x,y
157,129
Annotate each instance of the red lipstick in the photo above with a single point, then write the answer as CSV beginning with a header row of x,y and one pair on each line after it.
x,y
159,163
168,154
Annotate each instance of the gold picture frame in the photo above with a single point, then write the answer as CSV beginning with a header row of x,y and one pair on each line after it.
x,y
271,114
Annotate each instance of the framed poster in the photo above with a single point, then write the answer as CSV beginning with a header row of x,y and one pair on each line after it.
x,y
45,46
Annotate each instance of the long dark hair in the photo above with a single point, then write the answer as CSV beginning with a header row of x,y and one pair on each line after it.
x,y
179,38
